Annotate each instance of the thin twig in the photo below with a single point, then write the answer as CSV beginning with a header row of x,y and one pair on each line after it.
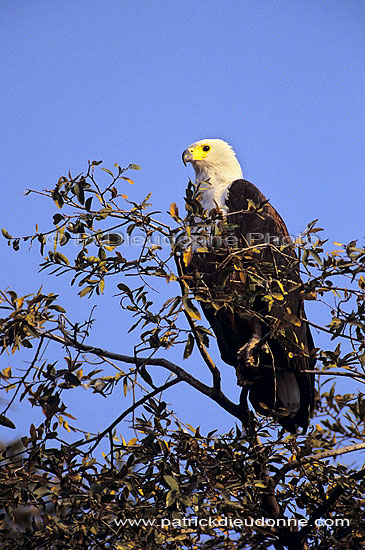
x,y
314,325
316,456
22,381
125,413
354,375
219,397
329,500
201,347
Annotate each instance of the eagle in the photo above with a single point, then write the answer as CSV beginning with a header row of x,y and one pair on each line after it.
x,y
249,289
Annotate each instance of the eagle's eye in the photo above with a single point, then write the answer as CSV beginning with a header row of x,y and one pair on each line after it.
x,y
206,148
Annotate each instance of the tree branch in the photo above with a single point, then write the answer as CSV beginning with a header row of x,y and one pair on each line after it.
x,y
211,392
316,456
354,375
328,501
352,338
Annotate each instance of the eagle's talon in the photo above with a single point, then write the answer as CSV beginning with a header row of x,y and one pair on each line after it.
x,y
247,356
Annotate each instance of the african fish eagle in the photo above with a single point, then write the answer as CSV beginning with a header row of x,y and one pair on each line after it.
x,y
271,374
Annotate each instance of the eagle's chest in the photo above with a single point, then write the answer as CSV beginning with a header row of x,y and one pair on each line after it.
x,y
214,195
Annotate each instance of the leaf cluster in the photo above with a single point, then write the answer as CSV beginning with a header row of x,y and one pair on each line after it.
x,y
58,491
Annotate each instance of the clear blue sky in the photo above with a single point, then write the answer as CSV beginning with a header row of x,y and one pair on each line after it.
x,y
138,81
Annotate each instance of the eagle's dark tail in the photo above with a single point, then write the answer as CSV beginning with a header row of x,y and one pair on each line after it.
x,y
278,394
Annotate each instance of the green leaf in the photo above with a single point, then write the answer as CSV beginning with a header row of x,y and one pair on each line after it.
x,y
32,330
191,309
145,375
79,192
57,218
124,288
102,254
26,343
6,234
4,421
57,198
72,379
13,295
170,498
108,172
316,257
189,346
305,257
58,257
58,308
85,291
171,482
135,167
96,162
88,203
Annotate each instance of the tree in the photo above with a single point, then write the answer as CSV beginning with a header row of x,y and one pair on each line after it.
x,y
170,486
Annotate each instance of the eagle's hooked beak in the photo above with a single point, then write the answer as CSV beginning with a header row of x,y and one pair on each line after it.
x,y
187,156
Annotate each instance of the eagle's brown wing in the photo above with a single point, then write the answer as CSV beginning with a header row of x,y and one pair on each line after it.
x,y
278,385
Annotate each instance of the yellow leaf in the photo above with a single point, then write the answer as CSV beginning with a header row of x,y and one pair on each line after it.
x,y
243,276
188,256
174,211
277,296
191,428
66,426
69,415
6,372
128,180
171,277
280,285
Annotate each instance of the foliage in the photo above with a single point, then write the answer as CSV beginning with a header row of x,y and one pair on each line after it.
x,y
58,493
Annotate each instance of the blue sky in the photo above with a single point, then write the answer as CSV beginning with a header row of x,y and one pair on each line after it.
x,y
138,81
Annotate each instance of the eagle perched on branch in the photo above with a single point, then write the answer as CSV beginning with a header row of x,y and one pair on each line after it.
x,y
246,276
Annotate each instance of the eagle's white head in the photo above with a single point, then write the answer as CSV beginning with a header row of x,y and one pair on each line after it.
x,y
215,162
